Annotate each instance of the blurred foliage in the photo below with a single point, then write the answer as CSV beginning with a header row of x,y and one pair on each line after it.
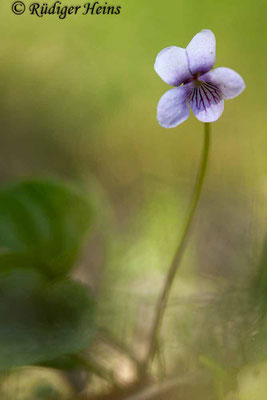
x,y
226,330
34,384
47,320
42,226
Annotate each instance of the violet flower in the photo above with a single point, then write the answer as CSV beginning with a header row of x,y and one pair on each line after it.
x,y
198,86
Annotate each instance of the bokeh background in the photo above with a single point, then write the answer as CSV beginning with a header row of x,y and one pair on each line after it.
x,y
78,101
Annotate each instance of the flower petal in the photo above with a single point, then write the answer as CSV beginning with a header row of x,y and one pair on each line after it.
x,y
230,83
206,102
173,108
172,66
201,52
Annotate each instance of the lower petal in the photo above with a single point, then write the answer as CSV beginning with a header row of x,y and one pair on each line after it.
x,y
230,83
206,102
173,108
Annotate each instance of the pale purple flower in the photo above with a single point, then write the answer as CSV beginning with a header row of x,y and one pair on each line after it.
x,y
197,85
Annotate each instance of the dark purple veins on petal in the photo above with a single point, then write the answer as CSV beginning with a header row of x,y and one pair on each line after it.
x,y
204,95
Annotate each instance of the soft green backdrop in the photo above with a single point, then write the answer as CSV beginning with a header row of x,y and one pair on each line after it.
x,y
81,93
79,96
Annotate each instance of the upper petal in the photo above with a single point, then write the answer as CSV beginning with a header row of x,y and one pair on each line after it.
x,y
230,83
201,52
206,102
173,108
172,66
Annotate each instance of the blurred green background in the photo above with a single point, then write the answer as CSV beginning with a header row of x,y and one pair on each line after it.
x,y
79,97
78,101
80,94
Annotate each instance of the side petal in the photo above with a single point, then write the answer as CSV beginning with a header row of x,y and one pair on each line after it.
x,y
172,66
173,108
201,52
206,102
230,83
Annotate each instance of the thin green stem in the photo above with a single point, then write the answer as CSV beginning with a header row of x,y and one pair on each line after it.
x,y
164,296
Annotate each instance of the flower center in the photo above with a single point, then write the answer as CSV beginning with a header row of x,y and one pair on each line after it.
x,y
196,76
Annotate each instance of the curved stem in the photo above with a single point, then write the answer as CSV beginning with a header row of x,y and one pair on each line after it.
x,y
164,296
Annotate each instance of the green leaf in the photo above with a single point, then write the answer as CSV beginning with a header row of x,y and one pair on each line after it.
x,y
42,226
65,362
41,321
259,284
